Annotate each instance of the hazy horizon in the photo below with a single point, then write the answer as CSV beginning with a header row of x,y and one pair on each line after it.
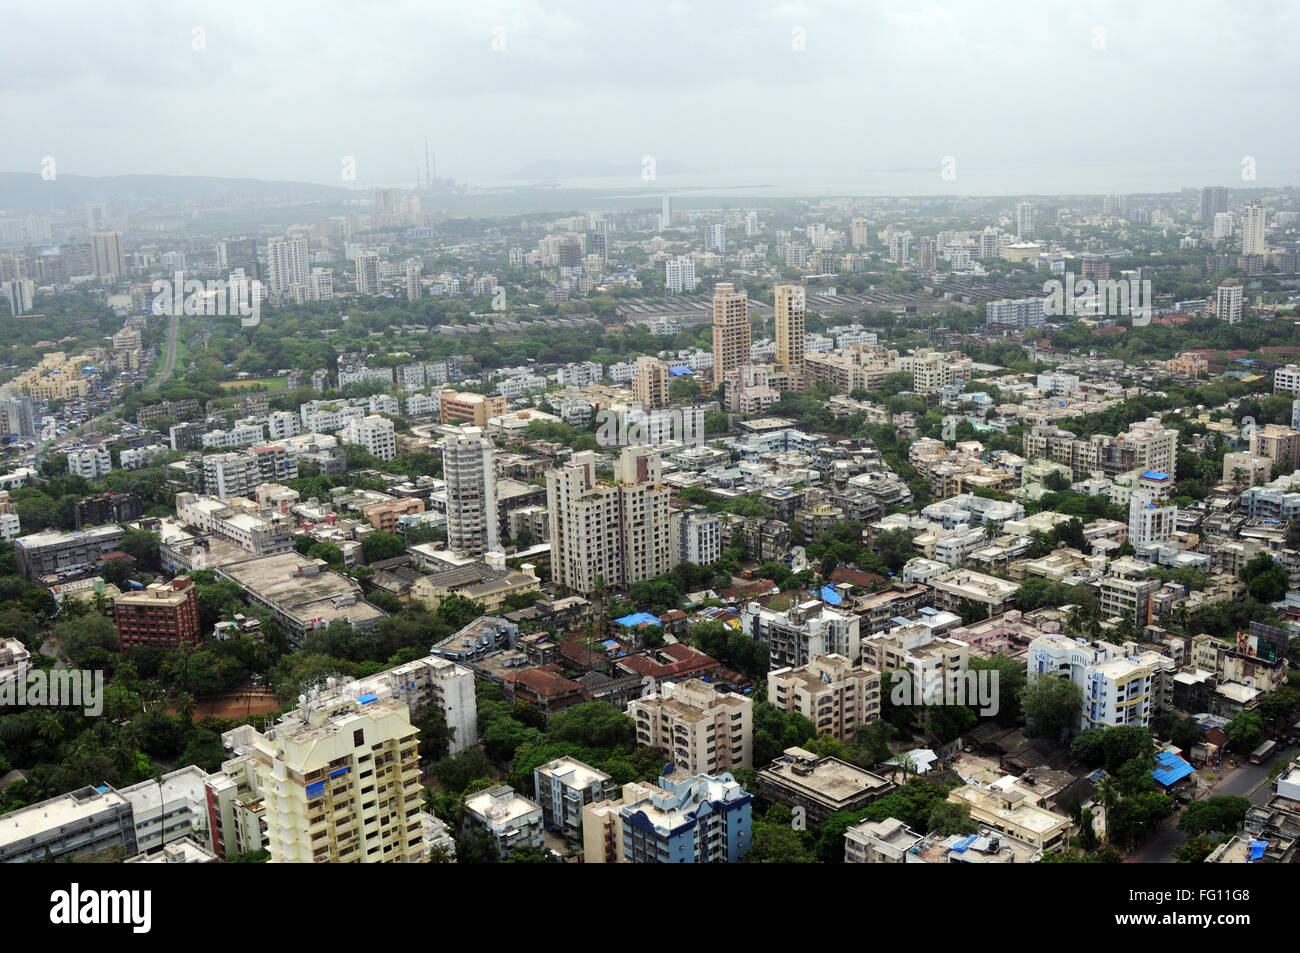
x,y
791,98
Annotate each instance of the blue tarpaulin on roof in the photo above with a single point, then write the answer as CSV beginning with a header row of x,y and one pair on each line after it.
x,y
962,845
679,371
638,618
831,594
1257,848
1170,769
367,698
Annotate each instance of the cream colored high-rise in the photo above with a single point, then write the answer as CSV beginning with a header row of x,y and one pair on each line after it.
x,y
650,383
340,778
1253,220
731,335
618,533
789,300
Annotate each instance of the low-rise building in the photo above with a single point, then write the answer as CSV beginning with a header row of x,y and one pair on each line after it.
x,y
819,787
513,821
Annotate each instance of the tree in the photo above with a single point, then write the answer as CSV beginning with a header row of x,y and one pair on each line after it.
x,y
116,571
1221,814
1266,580
972,612
458,612
595,724
776,841
378,546
1051,706
948,818
1246,730
455,773
1010,683
1123,743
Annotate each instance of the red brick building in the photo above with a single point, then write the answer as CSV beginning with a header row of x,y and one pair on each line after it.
x,y
163,615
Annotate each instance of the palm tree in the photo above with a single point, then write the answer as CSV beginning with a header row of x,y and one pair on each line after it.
x,y
185,705
1109,795
50,727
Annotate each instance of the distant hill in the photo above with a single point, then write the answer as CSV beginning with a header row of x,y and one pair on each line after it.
x,y
21,191
580,169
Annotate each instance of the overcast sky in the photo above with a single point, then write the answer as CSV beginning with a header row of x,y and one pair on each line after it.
x,y
1024,96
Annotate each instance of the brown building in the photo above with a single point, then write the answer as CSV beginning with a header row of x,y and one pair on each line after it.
x,y
162,615
383,516
544,689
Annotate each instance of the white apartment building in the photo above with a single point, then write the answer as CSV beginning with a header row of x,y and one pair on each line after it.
x,y
1286,380
697,536
1117,689
1253,222
469,469
240,435
287,263
679,275
1149,523
90,463
513,821
137,458
423,405
702,730
1228,301
934,663
320,285
431,682
281,424
228,475
563,787
374,434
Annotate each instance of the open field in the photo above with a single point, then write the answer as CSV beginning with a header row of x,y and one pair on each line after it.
x,y
270,383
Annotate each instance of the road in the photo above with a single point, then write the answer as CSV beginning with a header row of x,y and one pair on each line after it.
x,y
1247,780
169,362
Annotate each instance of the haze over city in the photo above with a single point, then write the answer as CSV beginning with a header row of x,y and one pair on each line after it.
x,y
793,97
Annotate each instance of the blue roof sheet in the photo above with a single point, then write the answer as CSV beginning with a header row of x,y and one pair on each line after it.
x,y
1170,769
638,618
829,594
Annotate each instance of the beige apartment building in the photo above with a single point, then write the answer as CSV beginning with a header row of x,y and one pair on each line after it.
x,y
731,332
829,691
340,780
1280,444
789,301
650,383
702,730
620,532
